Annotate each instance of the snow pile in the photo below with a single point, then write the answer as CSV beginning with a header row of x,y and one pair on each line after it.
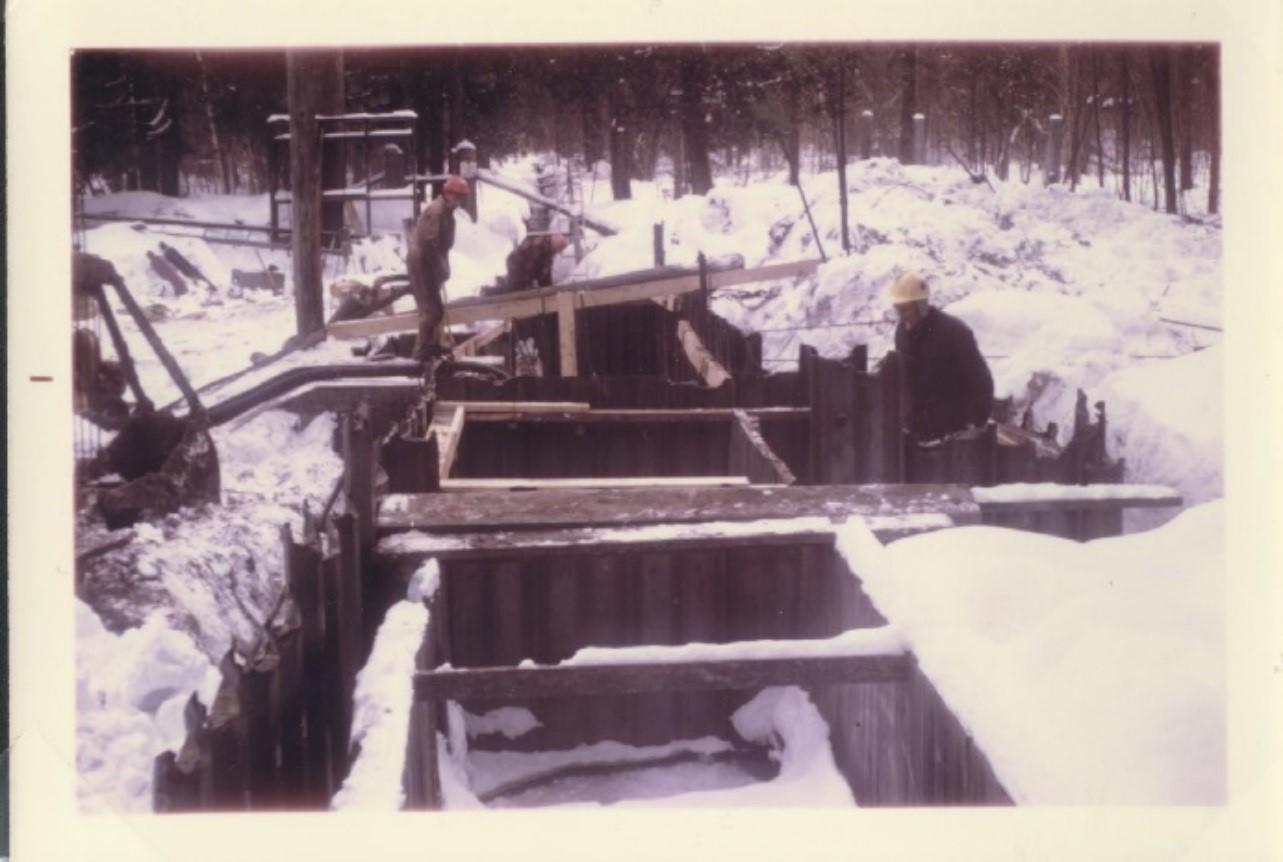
x,y
1167,419
131,690
273,457
217,571
1088,673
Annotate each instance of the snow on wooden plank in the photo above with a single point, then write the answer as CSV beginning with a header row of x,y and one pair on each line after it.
x,y
504,683
1049,496
416,544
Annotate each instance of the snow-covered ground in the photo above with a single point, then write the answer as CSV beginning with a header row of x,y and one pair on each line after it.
x,y
1110,650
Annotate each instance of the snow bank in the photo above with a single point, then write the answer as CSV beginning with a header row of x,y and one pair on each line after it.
x,y
131,690
1167,419
1089,674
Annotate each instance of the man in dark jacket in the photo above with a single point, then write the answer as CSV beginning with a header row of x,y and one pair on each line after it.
x,y
530,263
428,262
947,385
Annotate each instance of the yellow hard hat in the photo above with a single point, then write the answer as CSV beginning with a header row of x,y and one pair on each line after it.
x,y
909,287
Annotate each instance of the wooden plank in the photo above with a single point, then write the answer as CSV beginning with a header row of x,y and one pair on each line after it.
x,y
529,544
481,339
757,461
447,424
504,683
537,302
706,366
518,484
453,513
478,410
566,334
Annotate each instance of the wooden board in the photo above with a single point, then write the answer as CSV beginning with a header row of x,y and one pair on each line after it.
x,y
447,424
468,512
411,548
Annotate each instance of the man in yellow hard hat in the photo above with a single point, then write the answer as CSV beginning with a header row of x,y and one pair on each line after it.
x,y
428,262
948,387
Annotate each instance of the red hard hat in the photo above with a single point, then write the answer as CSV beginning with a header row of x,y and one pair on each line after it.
x,y
455,186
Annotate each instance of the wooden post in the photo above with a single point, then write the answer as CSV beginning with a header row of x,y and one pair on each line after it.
x,y
162,353
919,139
358,452
309,80
122,349
566,334
1055,131
659,243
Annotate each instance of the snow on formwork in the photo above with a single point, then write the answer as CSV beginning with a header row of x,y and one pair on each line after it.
x,y
1088,674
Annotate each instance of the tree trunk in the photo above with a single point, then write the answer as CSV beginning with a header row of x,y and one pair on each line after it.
x,y
334,159
590,114
305,82
622,142
694,128
1185,114
908,102
220,156
838,104
1214,91
1161,66
1095,115
1127,128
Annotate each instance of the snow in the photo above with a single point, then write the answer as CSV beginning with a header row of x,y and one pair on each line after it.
x,y
857,642
1088,673
130,693
782,719
381,712
1028,492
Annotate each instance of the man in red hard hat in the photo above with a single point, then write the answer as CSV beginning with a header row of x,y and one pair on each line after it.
x,y
948,386
428,262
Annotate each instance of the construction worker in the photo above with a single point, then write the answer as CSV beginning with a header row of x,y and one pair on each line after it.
x,y
428,262
947,385
530,263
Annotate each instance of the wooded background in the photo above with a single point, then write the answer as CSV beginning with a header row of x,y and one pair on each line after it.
x,y
1141,119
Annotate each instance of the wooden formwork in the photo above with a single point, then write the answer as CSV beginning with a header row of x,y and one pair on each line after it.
x,y
536,590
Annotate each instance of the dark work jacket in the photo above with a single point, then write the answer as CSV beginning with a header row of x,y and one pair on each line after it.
x,y
428,255
947,384
530,264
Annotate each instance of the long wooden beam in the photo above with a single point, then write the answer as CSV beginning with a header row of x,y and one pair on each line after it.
x,y
514,683
532,303
495,180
